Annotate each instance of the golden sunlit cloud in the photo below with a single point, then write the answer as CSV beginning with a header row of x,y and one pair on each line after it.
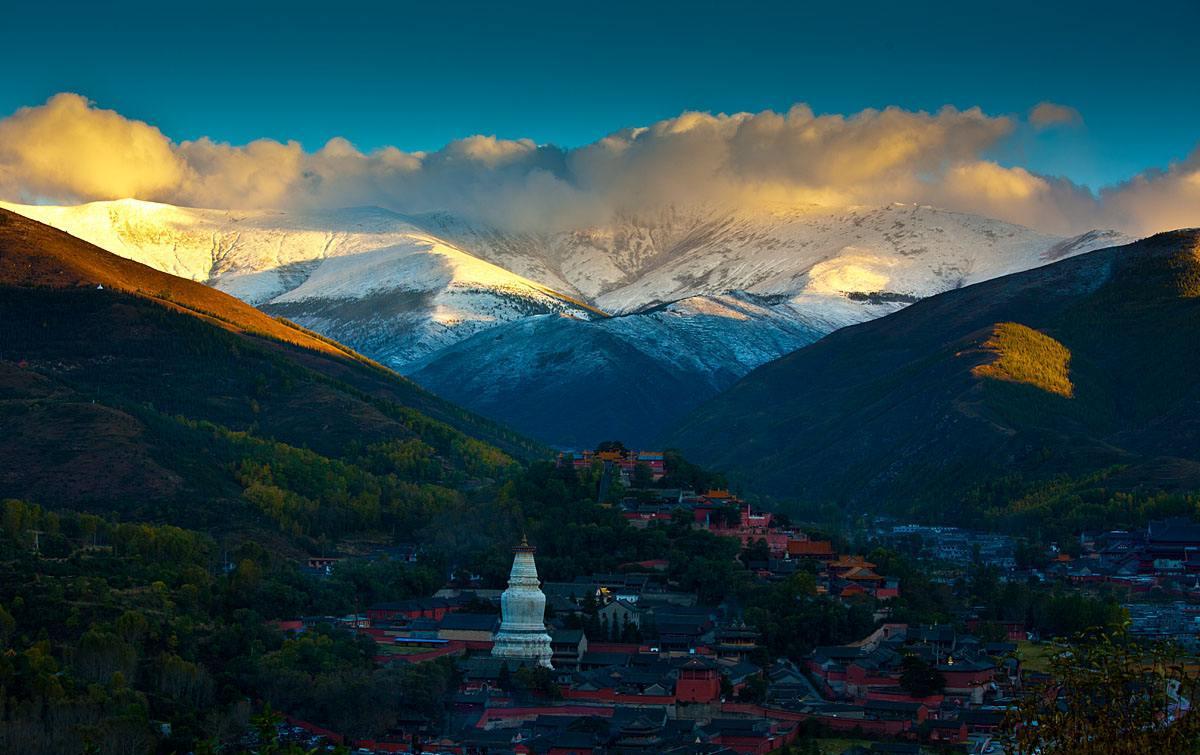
x,y
68,150
1160,199
1047,114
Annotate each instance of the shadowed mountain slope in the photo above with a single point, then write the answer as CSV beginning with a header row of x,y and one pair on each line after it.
x,y
125,388
1085,367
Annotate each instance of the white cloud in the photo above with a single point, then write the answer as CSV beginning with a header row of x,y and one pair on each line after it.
x,y
69,150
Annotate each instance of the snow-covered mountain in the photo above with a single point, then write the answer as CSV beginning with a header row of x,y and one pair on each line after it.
x,y
621,377
640,260
364,276
571,336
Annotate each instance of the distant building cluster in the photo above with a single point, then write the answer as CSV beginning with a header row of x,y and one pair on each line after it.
x,y
784,549
860,687
950,544
624,460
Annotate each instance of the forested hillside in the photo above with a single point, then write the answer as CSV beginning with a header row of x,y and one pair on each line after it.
x,y
125,389
1064,396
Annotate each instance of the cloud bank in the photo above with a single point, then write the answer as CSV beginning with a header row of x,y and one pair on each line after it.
x,y
69,150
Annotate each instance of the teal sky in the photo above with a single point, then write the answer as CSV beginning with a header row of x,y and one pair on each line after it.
x,y
419,75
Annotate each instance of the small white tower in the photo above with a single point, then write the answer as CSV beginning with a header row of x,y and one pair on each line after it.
x,y
522,635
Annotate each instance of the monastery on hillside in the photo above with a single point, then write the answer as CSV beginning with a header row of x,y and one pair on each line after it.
x,y
624,460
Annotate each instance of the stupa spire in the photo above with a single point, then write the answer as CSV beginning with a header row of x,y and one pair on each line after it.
x,y
522,635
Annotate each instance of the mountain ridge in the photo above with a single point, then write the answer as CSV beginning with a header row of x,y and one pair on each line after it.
x,y
895,412
697,295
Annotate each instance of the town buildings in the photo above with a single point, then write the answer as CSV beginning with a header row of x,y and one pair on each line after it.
x,y
629,662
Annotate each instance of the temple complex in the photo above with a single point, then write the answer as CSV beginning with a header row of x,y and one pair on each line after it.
x,y
522,635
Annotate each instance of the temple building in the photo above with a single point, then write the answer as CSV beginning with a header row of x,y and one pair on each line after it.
x,y
522,635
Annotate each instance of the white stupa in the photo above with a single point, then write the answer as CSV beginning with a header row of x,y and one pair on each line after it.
x,y
522,635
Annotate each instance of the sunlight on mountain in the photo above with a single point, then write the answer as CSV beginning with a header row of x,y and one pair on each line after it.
x,y
1024,355
1187,272
853,270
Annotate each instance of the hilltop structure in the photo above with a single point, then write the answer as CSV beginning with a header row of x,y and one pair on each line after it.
x,y
522,635
623,459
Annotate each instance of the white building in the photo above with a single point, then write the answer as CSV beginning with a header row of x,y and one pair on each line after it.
x,y
522,635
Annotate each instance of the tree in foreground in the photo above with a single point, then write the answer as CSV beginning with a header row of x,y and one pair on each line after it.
x,y
1108,694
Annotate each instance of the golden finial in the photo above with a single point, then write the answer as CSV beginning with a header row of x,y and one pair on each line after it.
x,y
524,547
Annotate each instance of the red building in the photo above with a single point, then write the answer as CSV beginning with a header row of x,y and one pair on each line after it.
x,y
749,736
967,675
947,732
821,550
750,525
417,608
699,682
